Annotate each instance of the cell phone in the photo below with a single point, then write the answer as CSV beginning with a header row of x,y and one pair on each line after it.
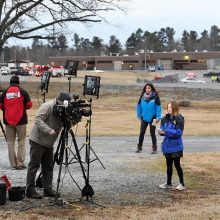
x,y
159,132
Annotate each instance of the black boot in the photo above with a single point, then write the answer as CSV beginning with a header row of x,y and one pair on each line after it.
x,y
139,148
154,150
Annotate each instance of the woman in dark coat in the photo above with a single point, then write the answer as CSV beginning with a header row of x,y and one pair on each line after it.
x,y
172,125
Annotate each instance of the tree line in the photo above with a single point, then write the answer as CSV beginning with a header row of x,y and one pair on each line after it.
x,y
157,41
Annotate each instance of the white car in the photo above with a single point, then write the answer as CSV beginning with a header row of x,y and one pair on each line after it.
x,y
57,72
5,70
151,68
192,80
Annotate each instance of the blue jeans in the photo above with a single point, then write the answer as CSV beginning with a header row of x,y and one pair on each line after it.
x,y
143,129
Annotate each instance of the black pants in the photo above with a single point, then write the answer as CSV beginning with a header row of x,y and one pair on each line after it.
x,y
40,155
143,129
178,167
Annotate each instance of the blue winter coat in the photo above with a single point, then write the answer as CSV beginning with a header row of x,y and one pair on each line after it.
x,y
173,127
148,110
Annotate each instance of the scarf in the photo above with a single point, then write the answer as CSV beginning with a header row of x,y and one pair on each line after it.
x,y
148,97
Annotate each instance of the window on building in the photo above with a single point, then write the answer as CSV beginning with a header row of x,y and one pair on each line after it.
x,y
130,61
104,61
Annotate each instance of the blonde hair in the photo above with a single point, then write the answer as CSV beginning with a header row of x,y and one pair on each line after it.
x,y
175,107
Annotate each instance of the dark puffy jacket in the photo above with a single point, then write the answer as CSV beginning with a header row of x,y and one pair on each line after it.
x,y
173,127
14,102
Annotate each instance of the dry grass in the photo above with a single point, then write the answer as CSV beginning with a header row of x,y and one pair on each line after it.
x,y
200,209
116,116
114,112
201,171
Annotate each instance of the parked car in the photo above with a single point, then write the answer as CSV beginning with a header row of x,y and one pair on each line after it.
x,y
151,68
191,80
30,72
211,73
5,70
57,71
13,70
21,72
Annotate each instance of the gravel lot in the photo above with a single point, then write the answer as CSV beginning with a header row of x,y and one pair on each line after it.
x,y
126,179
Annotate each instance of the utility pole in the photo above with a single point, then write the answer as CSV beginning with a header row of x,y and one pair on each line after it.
x,y
145,60
16,57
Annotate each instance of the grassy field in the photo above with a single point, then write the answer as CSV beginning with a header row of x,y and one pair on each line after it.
x,y
115,104
114,115
120,107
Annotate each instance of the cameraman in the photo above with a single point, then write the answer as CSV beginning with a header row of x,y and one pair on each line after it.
x,y
42,138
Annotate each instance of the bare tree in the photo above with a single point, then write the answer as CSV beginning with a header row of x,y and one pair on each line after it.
x,y
28,19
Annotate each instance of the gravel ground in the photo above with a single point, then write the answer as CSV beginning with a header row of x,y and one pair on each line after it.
x,y
127,178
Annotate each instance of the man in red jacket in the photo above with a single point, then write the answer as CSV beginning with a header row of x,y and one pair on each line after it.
x,y
14,103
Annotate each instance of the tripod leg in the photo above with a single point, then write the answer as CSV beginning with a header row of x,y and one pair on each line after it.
x,y
77,153
87,190
96,157
62,142
81,147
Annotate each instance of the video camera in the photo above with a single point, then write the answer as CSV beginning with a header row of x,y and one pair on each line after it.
x,y
73,111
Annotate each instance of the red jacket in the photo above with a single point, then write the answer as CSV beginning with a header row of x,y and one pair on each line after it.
x,y
14,102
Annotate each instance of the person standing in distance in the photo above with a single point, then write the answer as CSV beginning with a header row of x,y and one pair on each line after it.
x,y
148,109
14,102
172,126
43,135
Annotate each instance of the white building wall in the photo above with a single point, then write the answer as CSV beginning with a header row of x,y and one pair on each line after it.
x,y
210,63
167,64
117,65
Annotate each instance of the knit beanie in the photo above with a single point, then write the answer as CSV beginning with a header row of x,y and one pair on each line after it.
x,y
64,96
14,80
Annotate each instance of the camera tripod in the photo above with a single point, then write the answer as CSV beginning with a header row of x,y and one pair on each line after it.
x,y
3,130
87,144
62,151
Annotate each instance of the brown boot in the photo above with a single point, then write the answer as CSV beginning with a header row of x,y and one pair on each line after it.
x,y
154,150
33,194
139,148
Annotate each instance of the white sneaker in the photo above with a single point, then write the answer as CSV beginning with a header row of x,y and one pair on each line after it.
x,y
180,187
165,186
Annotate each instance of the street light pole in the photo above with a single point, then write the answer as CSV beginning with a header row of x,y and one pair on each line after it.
x,y
16,57
145,61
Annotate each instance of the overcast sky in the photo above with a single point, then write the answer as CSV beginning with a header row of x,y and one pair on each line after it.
x,y
151,15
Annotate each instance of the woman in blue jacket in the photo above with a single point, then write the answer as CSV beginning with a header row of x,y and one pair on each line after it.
x,y
172,125
148,109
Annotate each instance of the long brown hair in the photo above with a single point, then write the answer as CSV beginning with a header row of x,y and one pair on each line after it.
x,y
175,107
